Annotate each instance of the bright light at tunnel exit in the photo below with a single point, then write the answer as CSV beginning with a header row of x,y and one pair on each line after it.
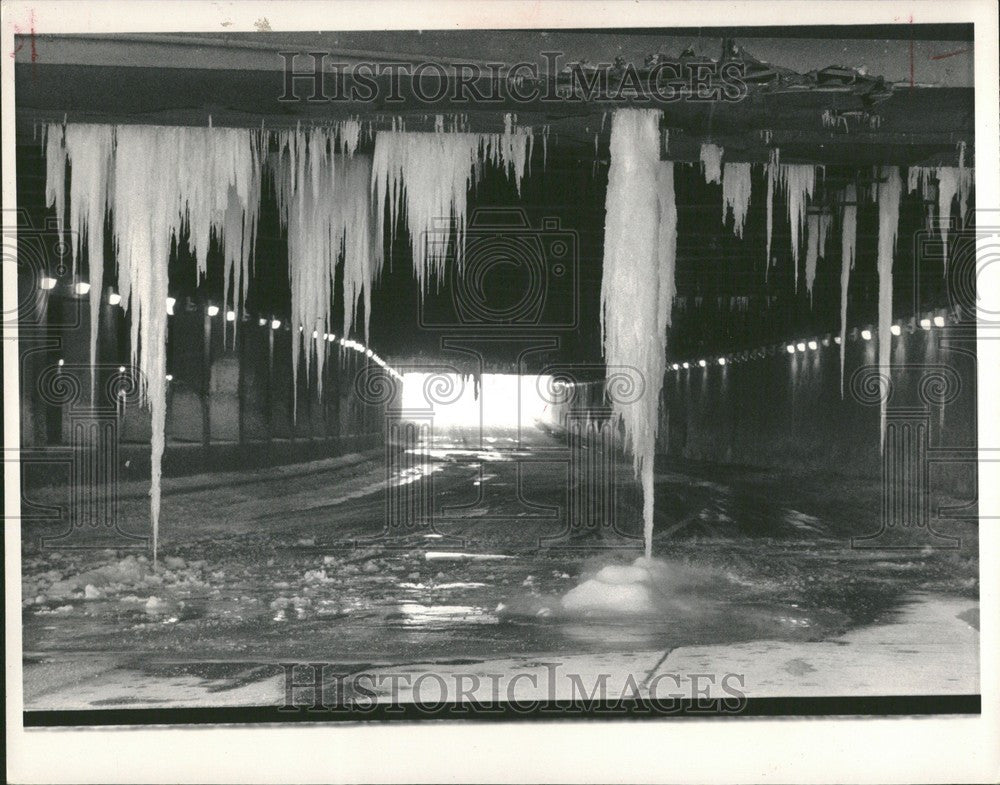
x,y
505,400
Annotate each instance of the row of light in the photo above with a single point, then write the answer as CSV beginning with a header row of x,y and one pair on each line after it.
x,y
926,324
82,288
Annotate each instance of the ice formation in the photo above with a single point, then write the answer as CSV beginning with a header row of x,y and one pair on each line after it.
x,y
156,182
818,228
773,177
640,237
799,181
889,191
954,182
711,159
323,199
848,241
55,173
147,211
431,174
736,194
614,589
89,149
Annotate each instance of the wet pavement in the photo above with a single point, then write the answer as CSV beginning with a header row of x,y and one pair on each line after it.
x,y
300,567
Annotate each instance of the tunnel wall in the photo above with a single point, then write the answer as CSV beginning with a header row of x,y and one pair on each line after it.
x,y
229,401
785,411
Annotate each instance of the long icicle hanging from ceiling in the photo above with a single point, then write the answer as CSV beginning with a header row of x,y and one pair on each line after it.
x,y
156,182
323,200
736,186
889,190
637,284
799,181
147,218
89,151
430,174
848,241
773,171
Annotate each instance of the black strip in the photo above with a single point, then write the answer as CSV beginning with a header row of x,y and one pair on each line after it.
x,y
894,705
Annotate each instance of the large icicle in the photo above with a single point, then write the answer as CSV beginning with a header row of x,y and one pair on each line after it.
x,y
711,159
55,175
812,251
324,201
637,284
889,191
736,182
157,181
848,240
773,176
799,179
954,182
89,149
432,173
147,218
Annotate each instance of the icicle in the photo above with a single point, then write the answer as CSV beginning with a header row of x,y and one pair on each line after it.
x,y
89,150
147,218
349,133
324,202
55,176
773,175
156,180
711,159
799,180
812,251
888,225
433,173
362,245
848,239
545,147
637,285
947,177
736,194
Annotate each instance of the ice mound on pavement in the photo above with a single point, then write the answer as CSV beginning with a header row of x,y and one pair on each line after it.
x,y
617,589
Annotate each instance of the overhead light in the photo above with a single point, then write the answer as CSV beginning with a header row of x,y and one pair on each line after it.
x,y
275,324
925,324
826,341
939,321
790,348
813,345
685,366
213,310
702,363
866,334
315,335
171,302
261,322
836,339
170,377
230,316
675,366
81,287
800,346
895,329
114,298
62,362
369,352
331,337
47,283
121,369
722,361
